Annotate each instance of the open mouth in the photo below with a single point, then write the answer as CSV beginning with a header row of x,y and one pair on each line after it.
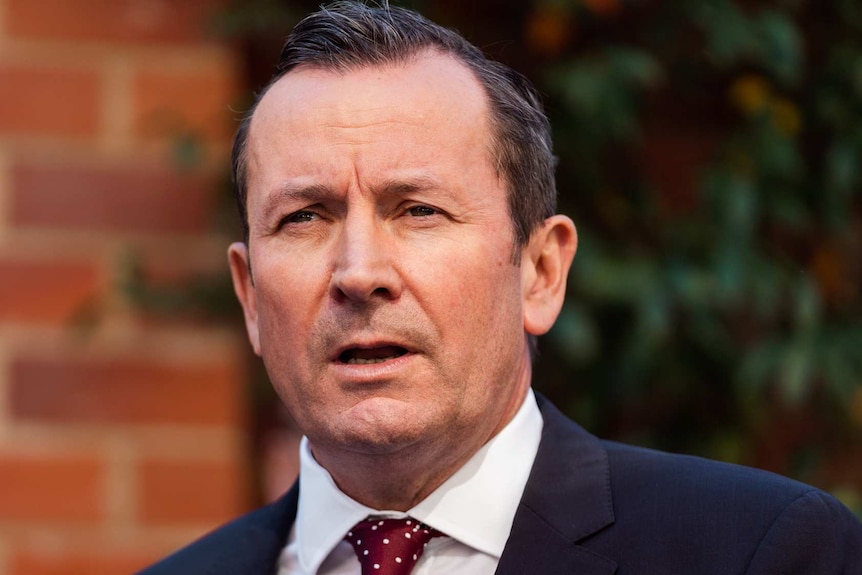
x,y
363,356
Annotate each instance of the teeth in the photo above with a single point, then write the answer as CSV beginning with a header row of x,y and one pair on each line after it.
x,y
360,361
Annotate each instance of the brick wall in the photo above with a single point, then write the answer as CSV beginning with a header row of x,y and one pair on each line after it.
x,y
121,436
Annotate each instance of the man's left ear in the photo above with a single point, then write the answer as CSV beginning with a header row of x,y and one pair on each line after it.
x,y
545,263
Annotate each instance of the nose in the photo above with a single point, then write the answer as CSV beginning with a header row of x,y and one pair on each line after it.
x,y
364,264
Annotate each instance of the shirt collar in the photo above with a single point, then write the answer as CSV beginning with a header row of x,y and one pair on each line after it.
x,y
476,505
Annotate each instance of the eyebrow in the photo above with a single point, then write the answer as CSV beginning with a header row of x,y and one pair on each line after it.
x,y
406,186
288,191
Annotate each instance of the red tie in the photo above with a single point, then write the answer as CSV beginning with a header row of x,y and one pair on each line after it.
x,y
389,546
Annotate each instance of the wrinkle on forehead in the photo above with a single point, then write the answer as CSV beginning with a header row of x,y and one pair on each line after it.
x,y
359,126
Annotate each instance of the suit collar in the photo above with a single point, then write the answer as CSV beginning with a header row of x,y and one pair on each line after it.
x,y
567,499
256,543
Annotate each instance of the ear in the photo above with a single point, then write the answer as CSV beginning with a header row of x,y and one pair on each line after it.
x,y
545,263
243,286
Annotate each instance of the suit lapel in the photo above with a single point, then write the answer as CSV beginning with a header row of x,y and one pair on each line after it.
x,y
536,547
567,498
255,549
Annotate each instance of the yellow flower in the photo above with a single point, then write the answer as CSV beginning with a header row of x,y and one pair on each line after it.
x,y
785,116
750,94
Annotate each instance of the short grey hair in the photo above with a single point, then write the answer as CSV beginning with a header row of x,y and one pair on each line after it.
x,y
348,35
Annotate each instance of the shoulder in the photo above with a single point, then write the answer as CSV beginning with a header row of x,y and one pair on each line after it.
x,y
248,544
687,506
684,477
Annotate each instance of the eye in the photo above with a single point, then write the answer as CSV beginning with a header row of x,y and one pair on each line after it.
x,y
421,211
299,217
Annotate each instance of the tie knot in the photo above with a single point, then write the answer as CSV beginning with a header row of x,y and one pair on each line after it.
x,y
389,546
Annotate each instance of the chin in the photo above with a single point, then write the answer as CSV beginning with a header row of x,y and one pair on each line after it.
x,y
374,426
366,441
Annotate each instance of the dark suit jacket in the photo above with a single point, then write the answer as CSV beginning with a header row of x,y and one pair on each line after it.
x,y
593,507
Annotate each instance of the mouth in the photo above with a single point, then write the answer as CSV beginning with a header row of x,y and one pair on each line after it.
x,y
370,355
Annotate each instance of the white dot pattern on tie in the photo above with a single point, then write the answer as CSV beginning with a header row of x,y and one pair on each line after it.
x,y
381,545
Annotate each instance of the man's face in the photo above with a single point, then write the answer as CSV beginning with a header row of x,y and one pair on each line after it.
x,y
383,298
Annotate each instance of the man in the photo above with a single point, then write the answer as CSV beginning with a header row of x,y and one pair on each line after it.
x,y
400,254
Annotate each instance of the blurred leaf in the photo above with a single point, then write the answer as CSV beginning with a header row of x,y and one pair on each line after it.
x,y
711,334
695,288
838,370
795,374
775,153
617,280
733,198
727,446
758,367
789,211
634,68
842,169
188,152
601,91
806,312
575,334
766,283
653,319
850,496
780,48
729,34
769,39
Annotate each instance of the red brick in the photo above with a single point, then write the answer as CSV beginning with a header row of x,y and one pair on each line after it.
x,y
129,391
190,492
110,199
182,103
162,268
45,101
46,291
65,562
121,21
36,488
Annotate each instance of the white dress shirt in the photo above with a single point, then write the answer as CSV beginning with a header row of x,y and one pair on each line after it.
x,y
475,507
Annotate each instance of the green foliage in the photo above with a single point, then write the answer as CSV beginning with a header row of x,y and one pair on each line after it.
x,y
767,38
201,296
750,295
601,91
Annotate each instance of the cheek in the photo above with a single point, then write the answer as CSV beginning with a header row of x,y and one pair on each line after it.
x,y
473,290
287,291
279,307
288,275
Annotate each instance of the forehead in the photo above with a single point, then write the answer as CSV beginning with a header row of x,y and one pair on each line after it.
x,y
432,100
425,80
